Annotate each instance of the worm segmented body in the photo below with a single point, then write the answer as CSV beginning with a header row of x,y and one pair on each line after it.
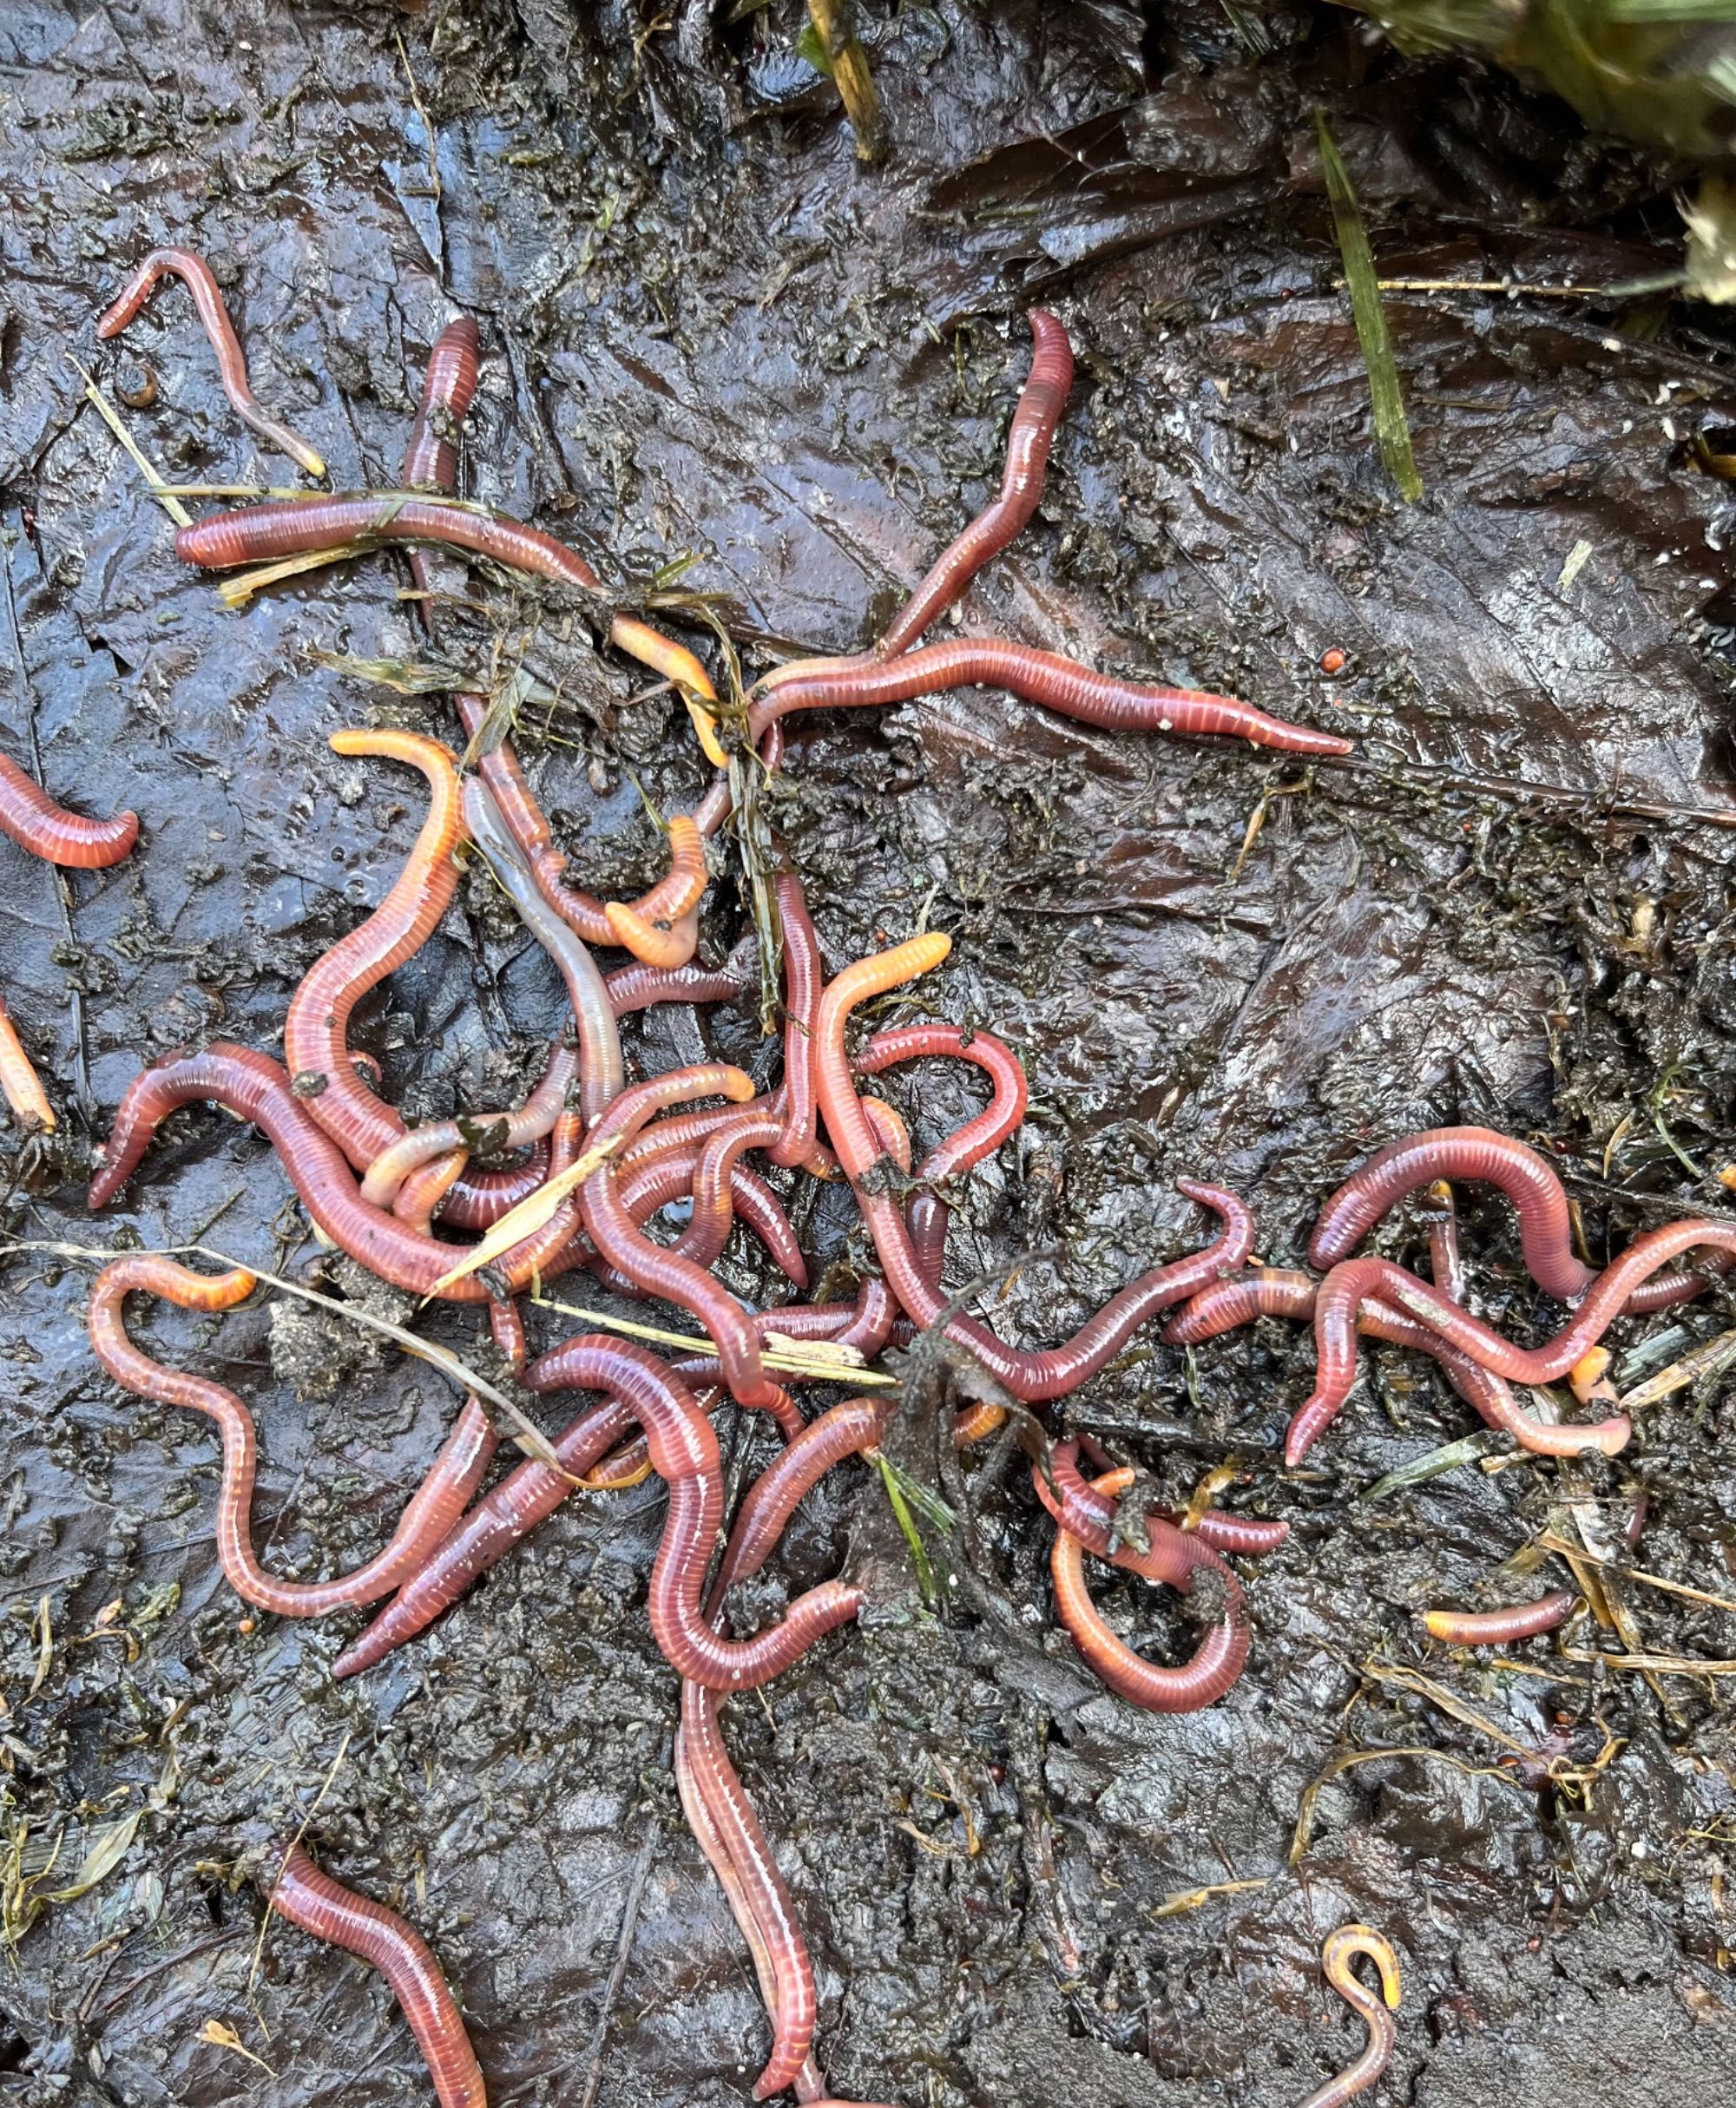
x,y
310,1898
1349,1944
433,1509
1494,1628
195,273
37,823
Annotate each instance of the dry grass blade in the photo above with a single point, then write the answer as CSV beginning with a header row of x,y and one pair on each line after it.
x,y
1400,1678
1184,1900
1550,1542
531,1215
102,1855
240,587
111,417
1392,427
817,1359
1709,1359
222,2038
835,49
1653,1664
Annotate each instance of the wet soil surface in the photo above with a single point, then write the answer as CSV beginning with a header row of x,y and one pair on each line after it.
x,y
711,334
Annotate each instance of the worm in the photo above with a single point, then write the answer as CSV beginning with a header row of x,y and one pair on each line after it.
x,y
804,976
1041,401
516,1130
685,1455
254,1086
638,988
1060,684
195,273
316,1029
436,1505
20,1082
650,1267
1446,1270
1175,1557
1491,1628
294,527
1084,1512
1341,1949
1277,1292
655,1183
1528,1180
430,461
310,1898
48,831
1031,1375
1348,1285
929,1216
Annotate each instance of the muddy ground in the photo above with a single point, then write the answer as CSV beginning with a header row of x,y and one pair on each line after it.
x,y
712,334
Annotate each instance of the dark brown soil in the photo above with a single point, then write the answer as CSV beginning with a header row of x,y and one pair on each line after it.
x,y
710,333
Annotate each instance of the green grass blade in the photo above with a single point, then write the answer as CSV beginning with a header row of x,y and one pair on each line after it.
x,y
1392,427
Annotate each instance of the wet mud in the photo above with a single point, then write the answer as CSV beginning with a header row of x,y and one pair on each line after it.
x,y
712,336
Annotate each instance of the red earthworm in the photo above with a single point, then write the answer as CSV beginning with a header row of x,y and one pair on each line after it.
x,y
804,976
1493,1628
718,1807
684,1451
1276,1292
602,1070
256,1088
1031,1375
311,1899
1341,1948
1059,684
627,1375
48,831
1347,1285
479,1201
430,461
437,1504
294,527
1466,1153
315,1028
1530,1183
20,1082
713,1179
1041,401
663,1273
1090,1516
928,1215
1174,1557
506,1323
195,273
421,1193
637,988
663,930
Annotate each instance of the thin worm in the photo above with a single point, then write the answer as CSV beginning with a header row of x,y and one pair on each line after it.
x,y
804,976
1278,1292
663,931
1060,684
638,988
518,1129
1030,1374
1175,1557
19,1081
316,1028
311,1899
653,1184
256,1088
1349,1284
1446,1269
231,367
37,823
1341,1948
1041,401
294,527
1493,1628
437,1504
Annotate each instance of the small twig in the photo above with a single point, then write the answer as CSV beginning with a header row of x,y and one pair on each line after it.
x,y
1550,1542
835,27
623,1952
427,124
